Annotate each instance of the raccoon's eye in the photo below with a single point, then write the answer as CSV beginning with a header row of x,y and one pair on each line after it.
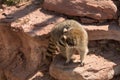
x,y
70,42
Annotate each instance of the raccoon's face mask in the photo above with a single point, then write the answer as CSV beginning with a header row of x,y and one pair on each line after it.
x,y
67,38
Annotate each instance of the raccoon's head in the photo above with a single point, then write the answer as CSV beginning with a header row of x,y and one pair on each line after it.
x,y
67,37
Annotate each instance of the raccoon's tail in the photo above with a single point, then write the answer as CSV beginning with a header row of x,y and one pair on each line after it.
x,y
51,48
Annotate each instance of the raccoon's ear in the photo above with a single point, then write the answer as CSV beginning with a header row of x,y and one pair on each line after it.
x,y
65,30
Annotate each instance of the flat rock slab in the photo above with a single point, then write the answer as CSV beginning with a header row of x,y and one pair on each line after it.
x,y
96,68
111,31
96,9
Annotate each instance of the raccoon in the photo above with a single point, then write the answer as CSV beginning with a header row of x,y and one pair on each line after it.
x,y
67,37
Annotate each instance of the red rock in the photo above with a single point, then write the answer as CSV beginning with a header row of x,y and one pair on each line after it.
x,y
95,68
20,53
111,31
96,9
18,60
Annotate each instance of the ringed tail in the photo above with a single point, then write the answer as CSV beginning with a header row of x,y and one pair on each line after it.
x,y
51,47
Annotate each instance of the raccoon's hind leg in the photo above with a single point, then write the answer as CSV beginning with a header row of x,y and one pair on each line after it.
x,y
83,54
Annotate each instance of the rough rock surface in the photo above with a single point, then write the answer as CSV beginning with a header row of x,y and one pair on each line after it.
x,y
96,67
96,9
21,54
111,31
